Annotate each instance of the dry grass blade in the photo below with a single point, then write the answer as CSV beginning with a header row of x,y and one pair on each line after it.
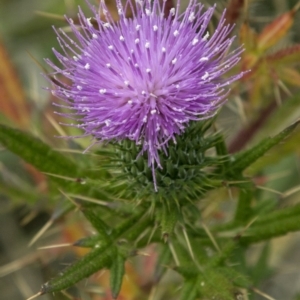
x,y
188,243
246,227
70,199
174,254
56,126
49,15
296,7
63,177
35,296
269,190
266,296
54,246
18,264
41,232
92,200
291,191
151,234
211,237
22,284
152,295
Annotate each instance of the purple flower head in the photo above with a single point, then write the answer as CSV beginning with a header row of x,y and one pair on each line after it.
x,y
144,78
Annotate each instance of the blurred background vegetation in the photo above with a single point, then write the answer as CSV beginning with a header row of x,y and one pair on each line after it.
x,y
27,37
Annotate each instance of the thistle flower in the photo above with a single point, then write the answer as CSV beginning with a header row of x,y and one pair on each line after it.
x,y
144,78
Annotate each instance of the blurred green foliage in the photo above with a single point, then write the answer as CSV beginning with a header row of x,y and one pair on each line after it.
x,y
209,211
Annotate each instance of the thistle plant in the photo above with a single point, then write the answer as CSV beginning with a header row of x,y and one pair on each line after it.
x,y
147,77
147,83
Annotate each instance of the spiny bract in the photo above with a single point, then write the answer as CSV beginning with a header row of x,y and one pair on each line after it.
x,y
144,78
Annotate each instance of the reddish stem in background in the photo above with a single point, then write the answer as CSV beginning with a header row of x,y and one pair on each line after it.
x,y
233,10
169,4
246,134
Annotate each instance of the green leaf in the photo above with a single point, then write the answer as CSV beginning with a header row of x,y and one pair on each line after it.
x,y
187,271
284,115
164,259
117,272
270,230
169,219
17,195
261,269
214,285
137,230
221,147
183,254
243,211
92,214
236,277
132,235
78,188
248,157
130,222
98,258
89,242
189,289
95,260
277,215
220,257
36,152
275,155
211,283
285,56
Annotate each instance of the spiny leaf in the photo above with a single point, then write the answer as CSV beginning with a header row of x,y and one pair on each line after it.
x,y
270,230
36,152
117,272
89,242
164,259
282,57
284,115
226,251
94,261
169,219
214,285
94,218
135,231
127,224
221,147
239,280
290,76
246,158
86,188
98,258
262,85
243,210
248,37
276,30
278,215
275,155
138,230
